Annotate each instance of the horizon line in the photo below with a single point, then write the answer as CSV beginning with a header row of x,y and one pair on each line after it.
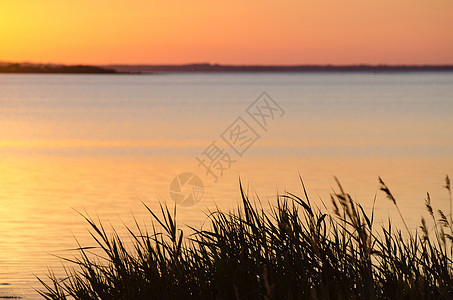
x,y
237,64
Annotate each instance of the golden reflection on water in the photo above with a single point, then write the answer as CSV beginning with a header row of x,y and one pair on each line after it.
x,y
41,195
64,154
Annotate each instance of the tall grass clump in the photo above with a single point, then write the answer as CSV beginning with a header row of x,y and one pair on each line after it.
x,y
294,250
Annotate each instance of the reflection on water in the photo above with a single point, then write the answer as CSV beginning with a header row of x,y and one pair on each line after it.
x,y
103,144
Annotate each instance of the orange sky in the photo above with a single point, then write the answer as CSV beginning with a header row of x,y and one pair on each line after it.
x,y
228,32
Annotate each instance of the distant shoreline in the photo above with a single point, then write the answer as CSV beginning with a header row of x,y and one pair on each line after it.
x,y
27,68
30,68
214,68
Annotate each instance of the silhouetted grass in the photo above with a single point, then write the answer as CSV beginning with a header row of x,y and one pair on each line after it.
x,y
293,251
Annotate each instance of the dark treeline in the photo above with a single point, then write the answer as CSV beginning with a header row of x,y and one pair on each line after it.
x,y
48,68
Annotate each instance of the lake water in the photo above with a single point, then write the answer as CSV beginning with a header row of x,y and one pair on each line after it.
x,y
100,145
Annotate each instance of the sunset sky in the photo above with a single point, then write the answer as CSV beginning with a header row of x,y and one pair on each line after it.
x,y
227,32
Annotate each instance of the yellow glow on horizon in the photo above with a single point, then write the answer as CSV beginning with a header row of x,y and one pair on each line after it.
x,y
251,32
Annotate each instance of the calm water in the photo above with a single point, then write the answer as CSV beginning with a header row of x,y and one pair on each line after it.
x,y
102,144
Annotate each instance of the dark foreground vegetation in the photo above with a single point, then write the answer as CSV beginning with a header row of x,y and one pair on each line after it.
x,y
293,250
53,69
